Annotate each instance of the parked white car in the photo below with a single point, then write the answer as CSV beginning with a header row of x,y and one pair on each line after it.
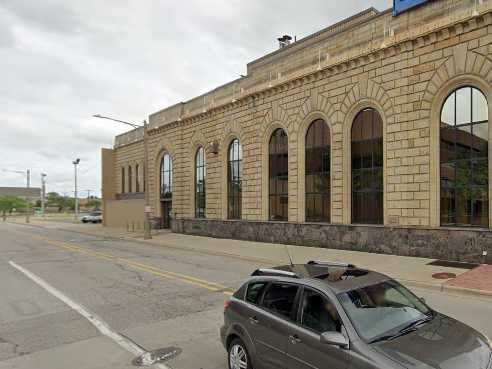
x,y
94,217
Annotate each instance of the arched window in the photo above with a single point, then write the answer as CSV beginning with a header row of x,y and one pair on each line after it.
x,y
130,179
464,164
367,168
123,179
234,180
137,178
166,177
279,175
200,183
317,175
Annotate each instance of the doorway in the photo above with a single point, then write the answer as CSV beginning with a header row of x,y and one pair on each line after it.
x,y
166,214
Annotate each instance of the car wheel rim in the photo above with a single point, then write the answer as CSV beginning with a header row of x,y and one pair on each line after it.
x,y
238,358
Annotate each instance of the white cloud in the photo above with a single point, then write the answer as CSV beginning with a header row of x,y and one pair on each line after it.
x,y
63,61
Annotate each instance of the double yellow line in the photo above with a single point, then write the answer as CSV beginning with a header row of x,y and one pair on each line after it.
x,y
211,286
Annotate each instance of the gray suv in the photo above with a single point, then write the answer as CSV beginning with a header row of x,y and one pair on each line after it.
x,y
332,315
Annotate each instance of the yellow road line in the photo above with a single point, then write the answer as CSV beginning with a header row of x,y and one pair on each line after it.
x,y
211,286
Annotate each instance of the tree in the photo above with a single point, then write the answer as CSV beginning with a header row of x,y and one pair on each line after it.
x,y
94,203
9,203
61,202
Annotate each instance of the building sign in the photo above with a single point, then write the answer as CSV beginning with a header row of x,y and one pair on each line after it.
x,y
400,6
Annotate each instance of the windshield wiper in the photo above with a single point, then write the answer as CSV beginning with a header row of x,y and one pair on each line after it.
x,y
416,323
412,327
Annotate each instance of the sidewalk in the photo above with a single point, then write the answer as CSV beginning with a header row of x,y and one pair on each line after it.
x,y
412,271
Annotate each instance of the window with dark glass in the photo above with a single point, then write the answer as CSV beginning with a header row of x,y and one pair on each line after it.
x,y
318,314
123,179
280,298
254,292
464,164
130,179
166,177
317,175
279,175
137,178
234,180
200,183
367,168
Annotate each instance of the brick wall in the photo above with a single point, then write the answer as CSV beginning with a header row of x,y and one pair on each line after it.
x,y
411,62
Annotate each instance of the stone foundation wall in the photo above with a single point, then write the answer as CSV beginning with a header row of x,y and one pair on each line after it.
x,y
443,243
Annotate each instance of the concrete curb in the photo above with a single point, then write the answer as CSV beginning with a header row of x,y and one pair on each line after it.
x,y
438,287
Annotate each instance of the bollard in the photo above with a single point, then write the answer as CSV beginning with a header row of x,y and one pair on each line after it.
x,y
4,217
127,226
133,226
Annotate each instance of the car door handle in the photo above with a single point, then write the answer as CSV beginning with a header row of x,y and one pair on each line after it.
x,y
253,320
294,339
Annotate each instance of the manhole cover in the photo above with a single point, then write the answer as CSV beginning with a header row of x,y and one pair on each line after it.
x,y
156,356
444,275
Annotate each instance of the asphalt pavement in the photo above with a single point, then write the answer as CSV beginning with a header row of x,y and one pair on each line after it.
x,y
77,301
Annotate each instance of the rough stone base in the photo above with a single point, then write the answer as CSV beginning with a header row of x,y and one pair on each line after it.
x,y
456,244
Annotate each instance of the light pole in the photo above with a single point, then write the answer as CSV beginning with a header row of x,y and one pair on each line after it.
x,y
147,210
75,163
43,192
28,177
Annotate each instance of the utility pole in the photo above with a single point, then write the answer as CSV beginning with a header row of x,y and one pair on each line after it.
x,y
147,231
43,193
28,196
75,163
147,210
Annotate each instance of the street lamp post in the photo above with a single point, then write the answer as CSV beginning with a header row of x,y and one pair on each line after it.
x,y
28,178
147,210
75,163
43,193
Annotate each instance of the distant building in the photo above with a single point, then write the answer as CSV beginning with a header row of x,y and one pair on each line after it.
x,y
372,134
32,193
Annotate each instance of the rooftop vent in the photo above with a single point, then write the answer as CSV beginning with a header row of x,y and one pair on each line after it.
x,y
284,41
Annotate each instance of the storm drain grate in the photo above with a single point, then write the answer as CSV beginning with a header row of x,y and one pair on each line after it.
x,y
453,264
156,356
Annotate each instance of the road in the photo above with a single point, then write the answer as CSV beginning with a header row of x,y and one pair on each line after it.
x,y
135,297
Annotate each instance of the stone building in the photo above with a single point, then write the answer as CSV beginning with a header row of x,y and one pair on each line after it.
x,y
371,134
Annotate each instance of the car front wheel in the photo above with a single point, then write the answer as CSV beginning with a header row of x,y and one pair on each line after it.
x,y
238,355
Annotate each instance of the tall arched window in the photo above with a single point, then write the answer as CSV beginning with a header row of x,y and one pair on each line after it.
x,y
137,178
166,177
200,183
130,179
318,172
234,180
464,170
123,179
367,168
279,175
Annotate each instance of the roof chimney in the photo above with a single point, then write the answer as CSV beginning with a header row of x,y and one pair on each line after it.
x,y
284,41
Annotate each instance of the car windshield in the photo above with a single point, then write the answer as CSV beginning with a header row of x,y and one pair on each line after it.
x,y
382,309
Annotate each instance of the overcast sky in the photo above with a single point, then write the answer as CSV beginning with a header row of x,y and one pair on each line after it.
x,y
63,61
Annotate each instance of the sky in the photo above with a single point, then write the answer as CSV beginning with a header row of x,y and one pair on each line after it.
x,y
63,61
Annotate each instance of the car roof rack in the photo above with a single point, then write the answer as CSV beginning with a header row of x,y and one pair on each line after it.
x,y
274,272
331,263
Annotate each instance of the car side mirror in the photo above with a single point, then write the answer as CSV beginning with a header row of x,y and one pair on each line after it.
x,y
335,339
423,300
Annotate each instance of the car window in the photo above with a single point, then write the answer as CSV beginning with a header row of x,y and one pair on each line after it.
x,y
254,292
318,313
280,298
382,309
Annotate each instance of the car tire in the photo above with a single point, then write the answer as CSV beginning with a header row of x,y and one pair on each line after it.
x,y
84,221
238,356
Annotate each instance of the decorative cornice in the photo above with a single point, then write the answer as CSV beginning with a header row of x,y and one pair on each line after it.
x,y
407,41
